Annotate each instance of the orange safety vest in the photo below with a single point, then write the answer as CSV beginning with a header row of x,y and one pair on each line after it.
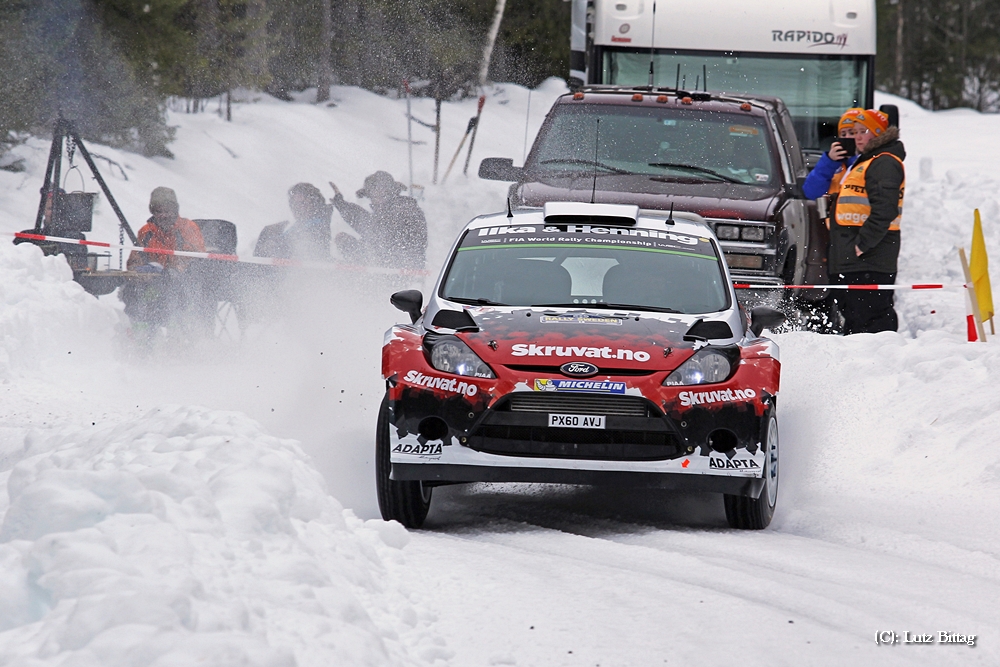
x,y
185,235
853,207
835,181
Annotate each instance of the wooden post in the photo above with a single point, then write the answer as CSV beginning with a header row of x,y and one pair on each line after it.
x,y
972,292
457,152
475,128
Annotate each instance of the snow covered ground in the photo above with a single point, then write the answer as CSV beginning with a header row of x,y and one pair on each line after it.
x,y
189,506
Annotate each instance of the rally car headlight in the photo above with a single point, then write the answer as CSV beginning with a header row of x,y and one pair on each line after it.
x,y
451,355
708,366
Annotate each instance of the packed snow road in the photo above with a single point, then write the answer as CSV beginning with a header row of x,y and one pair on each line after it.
x,y
136,529
878,531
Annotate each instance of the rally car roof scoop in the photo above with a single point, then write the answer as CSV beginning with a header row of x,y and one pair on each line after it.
x,y
606,214
459,320
704,330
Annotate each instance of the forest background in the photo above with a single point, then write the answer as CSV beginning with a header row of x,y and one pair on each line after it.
x,y
112,65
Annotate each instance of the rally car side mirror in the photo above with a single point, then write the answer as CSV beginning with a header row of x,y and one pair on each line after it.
x,y
409,301
763,317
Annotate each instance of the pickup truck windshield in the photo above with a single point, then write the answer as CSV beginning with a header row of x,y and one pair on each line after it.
x,y
587,266
673,145
815,89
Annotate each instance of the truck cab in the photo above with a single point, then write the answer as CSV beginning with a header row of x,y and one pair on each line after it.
x,y
734,160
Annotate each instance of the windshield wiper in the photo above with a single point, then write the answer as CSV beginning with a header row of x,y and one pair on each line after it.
x,y
605,306
700,170
474,302
589,163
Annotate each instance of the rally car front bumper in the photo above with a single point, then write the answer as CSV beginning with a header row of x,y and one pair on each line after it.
x,y
641,443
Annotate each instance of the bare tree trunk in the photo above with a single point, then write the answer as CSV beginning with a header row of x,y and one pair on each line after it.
x,y
437,134
491,39
208,43
899,47
324,64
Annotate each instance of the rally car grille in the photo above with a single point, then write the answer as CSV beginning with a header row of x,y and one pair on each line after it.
x,y
581,404
604,445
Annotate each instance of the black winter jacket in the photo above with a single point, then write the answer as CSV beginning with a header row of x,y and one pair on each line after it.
x,y
393,233
879,246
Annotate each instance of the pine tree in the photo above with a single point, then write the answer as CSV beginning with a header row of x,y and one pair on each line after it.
x,y
60,57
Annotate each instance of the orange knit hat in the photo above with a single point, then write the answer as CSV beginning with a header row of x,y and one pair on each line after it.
x,y
849,118
876,121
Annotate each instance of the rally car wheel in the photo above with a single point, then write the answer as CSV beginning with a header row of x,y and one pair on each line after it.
x,y
755,513
405,502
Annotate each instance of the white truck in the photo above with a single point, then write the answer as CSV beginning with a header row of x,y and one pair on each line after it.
x,y
818,56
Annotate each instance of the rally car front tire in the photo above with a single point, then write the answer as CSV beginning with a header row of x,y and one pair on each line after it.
x,y
755,513
405,502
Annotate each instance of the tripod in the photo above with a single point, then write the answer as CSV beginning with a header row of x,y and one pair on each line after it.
x,y
66,134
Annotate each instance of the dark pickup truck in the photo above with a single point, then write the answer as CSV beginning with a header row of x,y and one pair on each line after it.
x,y
733,160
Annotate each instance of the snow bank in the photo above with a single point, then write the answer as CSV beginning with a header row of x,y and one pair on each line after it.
x,y
892,440
190,536
241,170
44,315
938,211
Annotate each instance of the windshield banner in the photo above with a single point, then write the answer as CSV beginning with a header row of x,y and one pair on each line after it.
x,y
586,234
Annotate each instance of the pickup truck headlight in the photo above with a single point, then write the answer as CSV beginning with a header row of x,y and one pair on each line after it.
x,y
709,365
728,232
451,355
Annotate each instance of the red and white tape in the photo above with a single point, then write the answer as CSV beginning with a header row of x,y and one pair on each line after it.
x,y
916,286
262,261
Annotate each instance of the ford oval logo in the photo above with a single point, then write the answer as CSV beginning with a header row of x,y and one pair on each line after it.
x,y
580,369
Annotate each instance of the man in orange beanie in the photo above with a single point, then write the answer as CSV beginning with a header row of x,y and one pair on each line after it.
x,y
865,224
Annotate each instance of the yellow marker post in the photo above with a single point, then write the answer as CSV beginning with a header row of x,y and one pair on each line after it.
x,y
979,272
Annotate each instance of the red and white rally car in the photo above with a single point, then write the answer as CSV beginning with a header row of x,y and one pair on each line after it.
x,y
581,344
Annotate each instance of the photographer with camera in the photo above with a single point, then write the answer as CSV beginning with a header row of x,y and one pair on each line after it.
x,y
824,179
865,225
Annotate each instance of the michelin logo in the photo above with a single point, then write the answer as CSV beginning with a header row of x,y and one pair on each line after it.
x,y
524,350
591,386
722,396
444,384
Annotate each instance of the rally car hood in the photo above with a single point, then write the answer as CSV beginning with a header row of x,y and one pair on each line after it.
x,y
609,340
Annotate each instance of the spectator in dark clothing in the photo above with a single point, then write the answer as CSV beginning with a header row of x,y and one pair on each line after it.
x,y
864,230
393,233
308,237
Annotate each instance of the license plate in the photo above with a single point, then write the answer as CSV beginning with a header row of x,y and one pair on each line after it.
x,y
576,421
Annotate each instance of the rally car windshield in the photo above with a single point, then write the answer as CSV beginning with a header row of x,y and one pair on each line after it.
x,y
587,266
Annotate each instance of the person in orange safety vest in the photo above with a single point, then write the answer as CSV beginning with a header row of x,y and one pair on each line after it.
x,y
166,230
865,225
825,177
169,286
